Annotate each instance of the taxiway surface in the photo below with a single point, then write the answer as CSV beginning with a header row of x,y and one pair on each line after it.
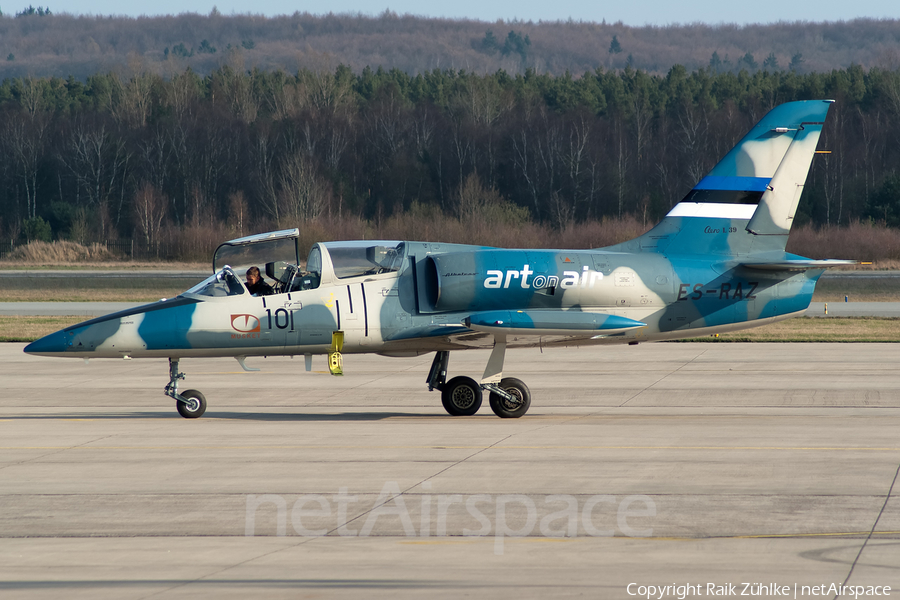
x,y
658,464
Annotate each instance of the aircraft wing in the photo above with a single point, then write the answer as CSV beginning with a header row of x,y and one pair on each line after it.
x,y
797,265
560,325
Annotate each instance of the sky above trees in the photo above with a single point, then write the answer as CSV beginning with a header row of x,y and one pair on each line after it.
x,y
642,12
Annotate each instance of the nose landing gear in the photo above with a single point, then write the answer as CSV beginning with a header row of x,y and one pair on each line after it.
x,y
191,404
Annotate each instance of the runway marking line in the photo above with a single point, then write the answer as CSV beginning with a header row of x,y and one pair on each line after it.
x,y
333,447
760,536
437,542
835,534
515,539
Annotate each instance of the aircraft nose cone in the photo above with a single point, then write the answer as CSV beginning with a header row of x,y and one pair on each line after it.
x,y
55,343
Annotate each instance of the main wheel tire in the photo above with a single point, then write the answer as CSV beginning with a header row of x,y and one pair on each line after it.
x,y
197,405
461,396
505,409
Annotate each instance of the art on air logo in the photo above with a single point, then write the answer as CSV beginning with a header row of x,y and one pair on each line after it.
x,y
498,279
247,326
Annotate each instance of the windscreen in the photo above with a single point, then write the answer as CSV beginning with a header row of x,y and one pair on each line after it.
x,y
223,283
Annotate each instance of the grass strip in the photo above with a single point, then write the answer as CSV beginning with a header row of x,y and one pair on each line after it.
x,y
815,329
81,295
30,328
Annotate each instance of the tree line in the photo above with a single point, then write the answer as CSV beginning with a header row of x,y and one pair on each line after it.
x,y
39,43
136,154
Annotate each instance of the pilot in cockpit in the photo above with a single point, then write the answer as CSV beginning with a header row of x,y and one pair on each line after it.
x,y
255,284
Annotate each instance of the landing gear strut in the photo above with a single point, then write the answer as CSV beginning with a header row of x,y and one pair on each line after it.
x,y
462,396
190,403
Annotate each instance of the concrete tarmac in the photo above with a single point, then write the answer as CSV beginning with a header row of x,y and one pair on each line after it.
x,y
658,464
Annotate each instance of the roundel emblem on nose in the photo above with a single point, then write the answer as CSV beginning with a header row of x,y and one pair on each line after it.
x,y
245,323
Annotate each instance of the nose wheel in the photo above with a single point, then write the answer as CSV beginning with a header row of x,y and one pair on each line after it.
x,y
190,404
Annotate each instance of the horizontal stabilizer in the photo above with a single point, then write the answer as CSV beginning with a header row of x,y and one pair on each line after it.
x,y
798,265
550,322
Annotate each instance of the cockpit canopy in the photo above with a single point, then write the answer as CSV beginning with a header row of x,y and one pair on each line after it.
x,y
257,250
343,260
352,259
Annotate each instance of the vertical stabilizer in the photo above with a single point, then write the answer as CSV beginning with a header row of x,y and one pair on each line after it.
x,y
746,203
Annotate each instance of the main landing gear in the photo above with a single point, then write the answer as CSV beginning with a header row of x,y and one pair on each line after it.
x,y
190,403
509,397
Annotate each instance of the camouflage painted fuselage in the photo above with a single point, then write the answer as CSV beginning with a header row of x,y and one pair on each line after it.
x,y
642,296
716,263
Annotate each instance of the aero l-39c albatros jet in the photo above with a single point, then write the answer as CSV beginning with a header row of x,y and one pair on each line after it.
x,y
715,263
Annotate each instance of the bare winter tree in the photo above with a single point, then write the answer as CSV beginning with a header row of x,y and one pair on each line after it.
x,y
575,161
833,165
621,167
327,89
285,97
182,92
25,138
149,215
471,197
130,96
691,131
97,160
264,170
238,89
31,95
303,195
238,213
